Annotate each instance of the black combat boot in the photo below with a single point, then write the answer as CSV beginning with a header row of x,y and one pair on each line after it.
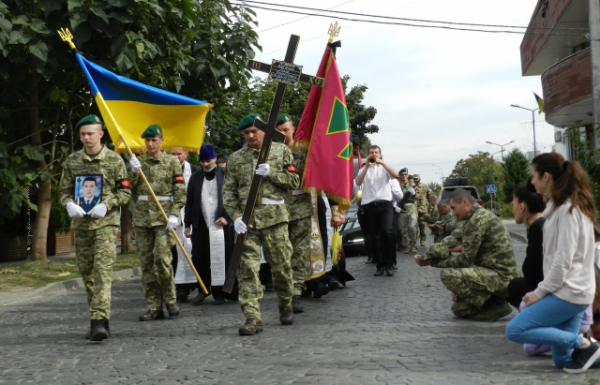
x,y
173,309
296,305
286,315
99,332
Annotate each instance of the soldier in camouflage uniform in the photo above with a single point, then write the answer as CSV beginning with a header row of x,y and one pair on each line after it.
x,y
408,215
300,209
95,231
269,224
478,271
154,238
421,202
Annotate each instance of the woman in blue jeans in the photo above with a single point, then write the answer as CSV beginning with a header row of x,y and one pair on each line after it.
x,y
555,308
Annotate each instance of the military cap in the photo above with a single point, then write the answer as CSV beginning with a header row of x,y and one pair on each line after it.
x,y
416,176
403,170
90,119
283,118
410,177
152,131
248,121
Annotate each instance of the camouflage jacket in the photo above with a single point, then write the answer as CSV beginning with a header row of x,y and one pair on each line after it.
x,y
407,198
299,206
241,166
421,199
165,176
116,189
485,243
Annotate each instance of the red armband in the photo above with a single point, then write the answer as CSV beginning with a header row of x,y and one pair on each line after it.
x,y
178,179
291,168
123,183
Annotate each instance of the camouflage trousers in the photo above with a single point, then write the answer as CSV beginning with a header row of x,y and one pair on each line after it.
x,y
422,231
408,228
300,231
473,286
154,247
278,251
96,252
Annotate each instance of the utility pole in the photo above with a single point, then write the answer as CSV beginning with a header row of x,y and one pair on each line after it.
x,y
594,12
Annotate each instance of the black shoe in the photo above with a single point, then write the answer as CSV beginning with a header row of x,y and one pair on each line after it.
x,y
321,291
199,298
394,267
173,310
583,358
182,296
286,315
296,305
334,284
389,272
378,273
219,301
152,315
99,333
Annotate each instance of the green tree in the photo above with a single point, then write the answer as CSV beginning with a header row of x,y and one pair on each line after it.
x,y
480,169
516,171
163,43
435,187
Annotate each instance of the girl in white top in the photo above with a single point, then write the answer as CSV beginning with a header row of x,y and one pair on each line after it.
x,y
555,309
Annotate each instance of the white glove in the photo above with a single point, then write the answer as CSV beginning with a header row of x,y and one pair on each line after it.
x,y
75,211
173,222
98,211
411,190
263,169
239,226
135,164
397,210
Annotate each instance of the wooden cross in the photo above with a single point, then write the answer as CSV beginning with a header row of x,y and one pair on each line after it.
x,y
284,73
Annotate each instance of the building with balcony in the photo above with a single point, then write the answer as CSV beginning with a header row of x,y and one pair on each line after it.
x,y
557,48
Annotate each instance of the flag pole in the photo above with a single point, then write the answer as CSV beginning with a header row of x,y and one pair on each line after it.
x,y
65,34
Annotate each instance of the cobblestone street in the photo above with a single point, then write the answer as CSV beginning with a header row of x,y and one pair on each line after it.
x,y
377,330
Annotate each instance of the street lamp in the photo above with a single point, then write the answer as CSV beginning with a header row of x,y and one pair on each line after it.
x,y
441,171
501,146
532,122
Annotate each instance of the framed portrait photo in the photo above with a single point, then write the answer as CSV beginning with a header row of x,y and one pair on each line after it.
x,y
88,191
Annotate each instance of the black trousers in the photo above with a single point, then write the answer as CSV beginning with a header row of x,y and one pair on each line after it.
x,y
380,219
517,288
364,228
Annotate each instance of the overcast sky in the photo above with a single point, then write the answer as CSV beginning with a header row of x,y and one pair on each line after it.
x,y
439,94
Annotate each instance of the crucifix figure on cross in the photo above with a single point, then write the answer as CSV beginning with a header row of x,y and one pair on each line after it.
x,y
284,73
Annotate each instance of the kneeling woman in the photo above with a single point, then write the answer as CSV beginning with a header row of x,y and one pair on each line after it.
x,y
556,307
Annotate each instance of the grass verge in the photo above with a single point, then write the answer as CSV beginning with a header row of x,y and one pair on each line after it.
x,y
38,274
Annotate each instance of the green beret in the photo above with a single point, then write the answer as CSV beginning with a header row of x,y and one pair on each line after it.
x,y
248,121
284,118
403,170
152,131
90,119
410,177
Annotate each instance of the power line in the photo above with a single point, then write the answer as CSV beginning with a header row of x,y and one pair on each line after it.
x,y
290,9
302,18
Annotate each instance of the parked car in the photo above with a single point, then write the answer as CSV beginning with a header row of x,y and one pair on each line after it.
x,y
353,240
453,184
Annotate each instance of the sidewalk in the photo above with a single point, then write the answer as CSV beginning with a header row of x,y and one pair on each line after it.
x,y
54,288
518,232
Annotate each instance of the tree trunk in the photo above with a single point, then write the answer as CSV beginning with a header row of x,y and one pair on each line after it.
x,y
40,228
126,244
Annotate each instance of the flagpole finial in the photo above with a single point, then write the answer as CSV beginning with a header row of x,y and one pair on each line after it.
x,y
66,35
334,31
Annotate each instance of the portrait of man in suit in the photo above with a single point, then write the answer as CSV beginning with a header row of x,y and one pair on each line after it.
x,y
88,198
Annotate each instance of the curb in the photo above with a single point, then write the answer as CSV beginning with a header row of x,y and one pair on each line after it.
x,y
518,237
63,287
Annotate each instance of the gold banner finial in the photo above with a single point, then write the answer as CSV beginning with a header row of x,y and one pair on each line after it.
x,y
334,31
65,35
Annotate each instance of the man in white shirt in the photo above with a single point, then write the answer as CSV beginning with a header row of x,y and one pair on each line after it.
x,y
377,205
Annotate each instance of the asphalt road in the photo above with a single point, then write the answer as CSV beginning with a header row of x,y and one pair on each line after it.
x,y
377,330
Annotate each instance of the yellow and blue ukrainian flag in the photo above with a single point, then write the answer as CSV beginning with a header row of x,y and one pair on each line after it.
x,y
128,107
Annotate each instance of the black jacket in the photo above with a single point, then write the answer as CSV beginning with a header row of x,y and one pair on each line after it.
x,y
193,204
